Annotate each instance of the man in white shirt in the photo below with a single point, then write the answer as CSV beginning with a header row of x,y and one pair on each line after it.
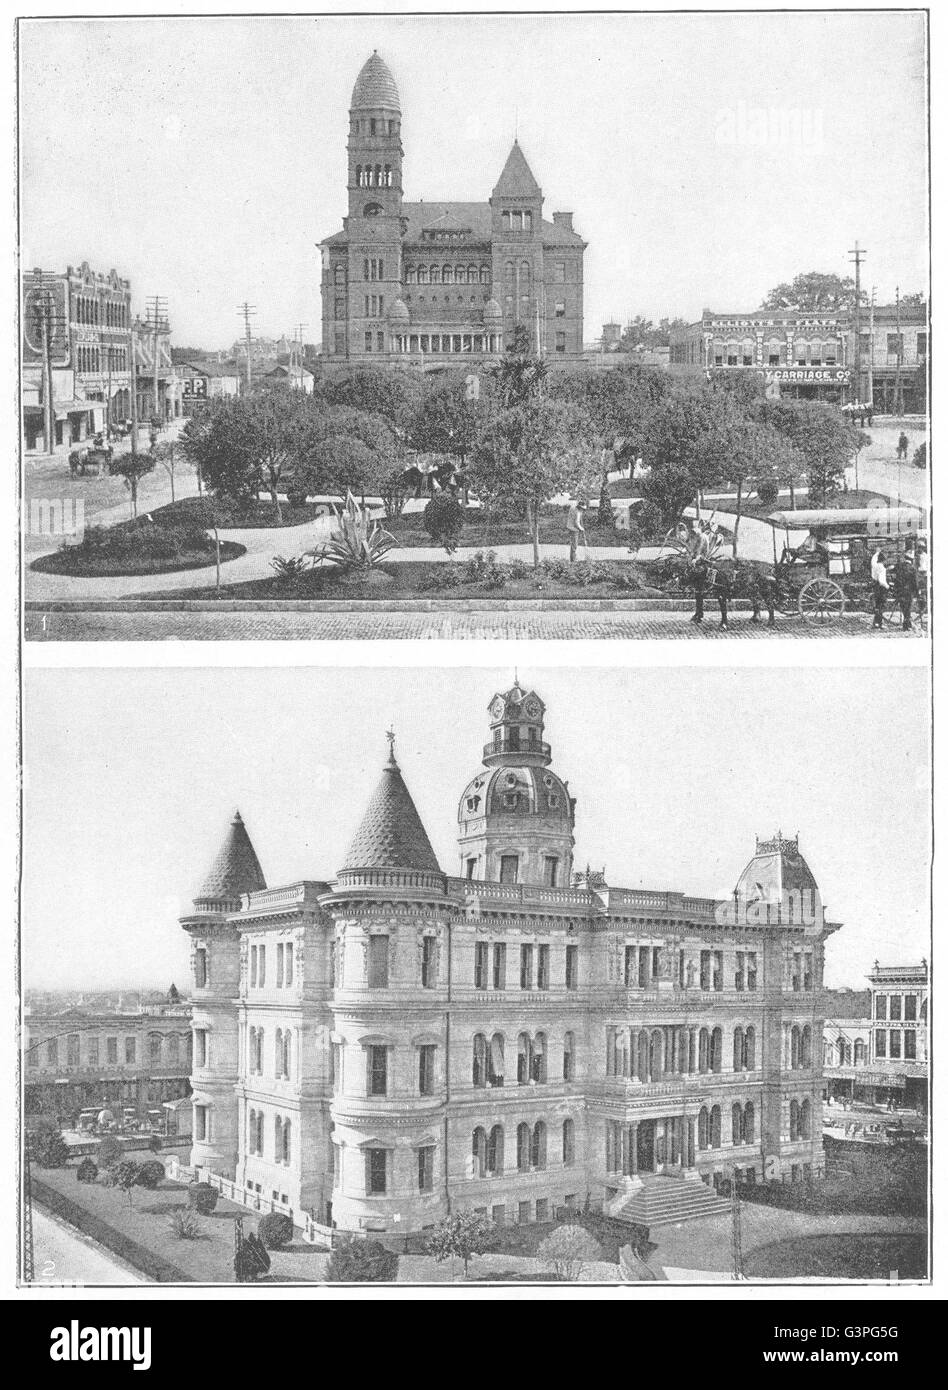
x,y
880,587
575,527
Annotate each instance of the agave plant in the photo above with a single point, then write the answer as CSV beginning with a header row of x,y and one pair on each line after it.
x,y
360,543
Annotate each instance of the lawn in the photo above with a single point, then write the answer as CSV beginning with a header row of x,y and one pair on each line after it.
x,y
73,561
146,1222
844,1256
258,516
480,531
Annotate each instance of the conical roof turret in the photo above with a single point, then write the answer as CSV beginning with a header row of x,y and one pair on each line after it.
x,y
236,869
375,88
391,835
516,179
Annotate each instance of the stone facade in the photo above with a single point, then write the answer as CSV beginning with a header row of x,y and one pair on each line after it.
x,y
398,1043
420,283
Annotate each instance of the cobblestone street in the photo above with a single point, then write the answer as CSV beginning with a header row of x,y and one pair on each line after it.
x,y
285,626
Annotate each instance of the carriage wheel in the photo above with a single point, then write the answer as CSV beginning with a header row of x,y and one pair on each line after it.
x,y
820,600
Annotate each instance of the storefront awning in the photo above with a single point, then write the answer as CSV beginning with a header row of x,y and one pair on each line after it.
x,y
64,408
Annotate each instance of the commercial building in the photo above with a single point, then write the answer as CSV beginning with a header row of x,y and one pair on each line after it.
x,y
882,1056
82,1058
379,1049
422,282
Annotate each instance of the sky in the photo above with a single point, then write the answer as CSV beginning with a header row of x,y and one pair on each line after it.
x,y
131,777
706,157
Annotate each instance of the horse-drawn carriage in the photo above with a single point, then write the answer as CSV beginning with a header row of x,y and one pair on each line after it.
x,y
96,459
831,566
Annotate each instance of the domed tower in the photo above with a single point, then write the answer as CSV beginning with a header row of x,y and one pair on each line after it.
x,y
777,888
391,914
516,817
374,224
215,976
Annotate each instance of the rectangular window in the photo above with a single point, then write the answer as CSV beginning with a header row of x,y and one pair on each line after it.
x,y
561,342
572,967
200,968
279,970
645,956
509,868
795,977
253,967
200,1123
910,1050
368,342
500,965
340,308
480,965
380,342
288,963
551,865
130,1050
72,1050
93,1052
893,344
471,869
543,1208
880,1042
426,1069
808,970
428,971
751,970
880,1005
200,1047
911,1007
559,272
111,1050
378,962
261,966
543,967
523,1213
526,967
631,972
426,1169
921,345
367,306
378,1070
656,961
895,1043
895,1007
560,309
376,1172
705,975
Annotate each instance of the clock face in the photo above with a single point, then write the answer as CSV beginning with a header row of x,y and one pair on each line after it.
x,y
532,708
497,708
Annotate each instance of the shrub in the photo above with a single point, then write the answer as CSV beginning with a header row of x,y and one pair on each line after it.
x,y
356,1261
122,1175
48,1147
464,1234
558,570
184,1224
360,543
110,1151
920,457
151,1173
87,1171
767,491
275,1230
444,520
519,569
566,1250
202,1197
290,571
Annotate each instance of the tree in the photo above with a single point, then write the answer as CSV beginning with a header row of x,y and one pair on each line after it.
x,y
567,1250
356,1261
683,451
814,290
165,455
124,1176
444,520
641,332
110,1151
530,453
519,375
249,443
275,1230
47,1145
448,419
462,1235
132,468
822,443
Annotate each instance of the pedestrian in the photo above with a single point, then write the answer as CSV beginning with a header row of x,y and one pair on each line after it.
x,y
575,527
903,445
723,589
698,567
921,552
880,587
905,585
869,413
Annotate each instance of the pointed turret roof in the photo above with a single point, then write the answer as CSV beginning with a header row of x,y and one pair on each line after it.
x,y
236,870
516,179
391,835
375,88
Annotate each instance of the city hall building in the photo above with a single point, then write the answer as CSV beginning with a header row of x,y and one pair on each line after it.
x,y
379,1049
424,282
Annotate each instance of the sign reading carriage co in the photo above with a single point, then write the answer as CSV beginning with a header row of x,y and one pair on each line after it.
x,y
809,376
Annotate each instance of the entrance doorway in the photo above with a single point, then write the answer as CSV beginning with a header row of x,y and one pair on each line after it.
x,y
645,1146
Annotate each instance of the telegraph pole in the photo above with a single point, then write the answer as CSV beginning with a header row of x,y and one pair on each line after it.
x,y
132,386
247,311
899,405
857,255
158,319
299,330
872,345
47,322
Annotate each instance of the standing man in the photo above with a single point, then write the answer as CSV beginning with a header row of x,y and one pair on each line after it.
x,y
903,446
905,584
575,527
698,567
880,588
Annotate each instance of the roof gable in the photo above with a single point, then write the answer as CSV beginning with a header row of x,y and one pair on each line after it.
x,y
516,179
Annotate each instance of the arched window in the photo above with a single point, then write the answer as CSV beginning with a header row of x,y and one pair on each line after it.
x,y
805,1119
569,1060
715,1126
286,1141
278,1053
435,275
524,274
388,176
285,1052
703,1048
749,1122
641,1069
358,175
841,1052
538,1060
738,1049
655,1058
538,1146
794,1120
794,1048
524,1059
569,1143
523,1148
495,1150
252,1131
422,275
859,1053
495,1059
703,1128
447,275
505,221
509,271
478,1153
806,1047
485,274
277,1138
409,275
717,1049
479,1061
472,275
750,1049
736,1123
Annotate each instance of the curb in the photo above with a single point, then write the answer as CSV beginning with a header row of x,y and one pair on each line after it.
x,y
520,605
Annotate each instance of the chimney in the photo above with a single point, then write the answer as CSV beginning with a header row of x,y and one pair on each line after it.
x,y
564,220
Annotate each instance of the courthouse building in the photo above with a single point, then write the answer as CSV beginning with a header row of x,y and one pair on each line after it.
x,y
422,282
396,1043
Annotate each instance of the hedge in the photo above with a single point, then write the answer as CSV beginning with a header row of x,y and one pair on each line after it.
x,y
159,1270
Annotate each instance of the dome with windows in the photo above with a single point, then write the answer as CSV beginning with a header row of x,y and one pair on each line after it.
x,y
375,88
398,313
516,791
492,312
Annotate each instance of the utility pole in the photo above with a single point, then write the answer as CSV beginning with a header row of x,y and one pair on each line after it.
x,y
27,1216
247,311
132,386
872,345
899,403
47,322
158,319
299,331
737,1252
857,255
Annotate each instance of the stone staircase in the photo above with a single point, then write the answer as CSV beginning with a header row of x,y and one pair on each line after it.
x,y
664,1201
